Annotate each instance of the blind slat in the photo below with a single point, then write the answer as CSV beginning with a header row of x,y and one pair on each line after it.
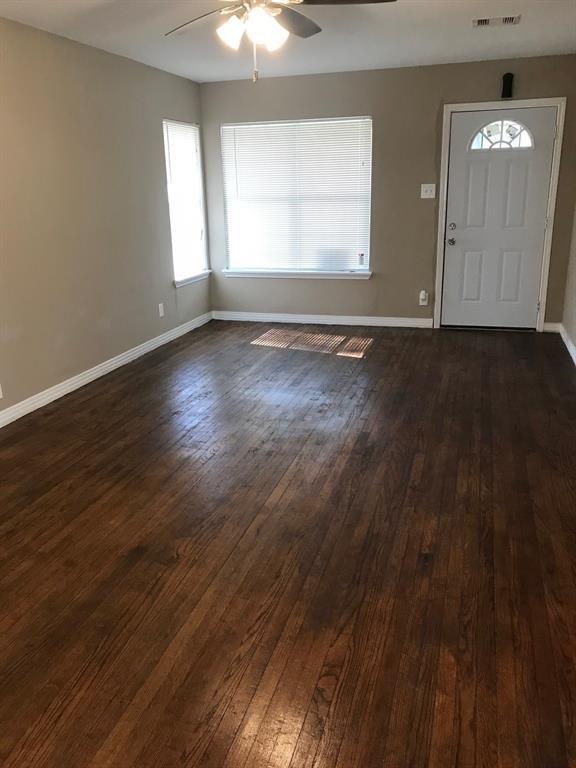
x,y
298,194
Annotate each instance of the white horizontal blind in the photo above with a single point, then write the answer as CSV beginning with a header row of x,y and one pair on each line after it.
x,y
298,194
185,198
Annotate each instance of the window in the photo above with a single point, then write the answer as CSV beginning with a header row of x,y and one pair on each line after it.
x,y
502,134
298,195
185,199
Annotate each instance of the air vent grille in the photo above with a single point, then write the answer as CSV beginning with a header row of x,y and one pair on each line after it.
x,y
497,21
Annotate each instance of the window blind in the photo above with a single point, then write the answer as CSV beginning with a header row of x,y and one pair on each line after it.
x,y
185,198
298,195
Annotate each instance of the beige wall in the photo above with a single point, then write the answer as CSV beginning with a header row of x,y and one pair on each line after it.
x,y
406,106
569,319
85,253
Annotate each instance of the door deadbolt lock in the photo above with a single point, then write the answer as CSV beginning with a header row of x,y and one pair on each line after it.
x,y
452,226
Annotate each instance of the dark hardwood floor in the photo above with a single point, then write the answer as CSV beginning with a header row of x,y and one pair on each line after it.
x,y
234,555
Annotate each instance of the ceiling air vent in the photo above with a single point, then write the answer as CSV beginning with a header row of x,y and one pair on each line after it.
x,y
497,21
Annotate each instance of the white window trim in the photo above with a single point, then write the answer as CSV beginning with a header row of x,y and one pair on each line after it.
x,y
296,273
206,272
204,275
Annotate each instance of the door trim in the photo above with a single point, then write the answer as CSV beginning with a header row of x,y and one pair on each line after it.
x,y
449,110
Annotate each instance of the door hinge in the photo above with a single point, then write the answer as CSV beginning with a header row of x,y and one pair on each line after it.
x,y
538,305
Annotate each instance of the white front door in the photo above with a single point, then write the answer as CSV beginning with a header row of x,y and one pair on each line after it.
x,y
498,186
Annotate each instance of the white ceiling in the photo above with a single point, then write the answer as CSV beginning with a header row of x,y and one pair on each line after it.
x,y
408,32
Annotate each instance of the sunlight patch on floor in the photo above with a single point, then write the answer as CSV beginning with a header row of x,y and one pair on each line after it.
x,y
326,343
355,346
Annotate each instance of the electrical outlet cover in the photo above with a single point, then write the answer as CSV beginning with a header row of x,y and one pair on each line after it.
x,y
428,191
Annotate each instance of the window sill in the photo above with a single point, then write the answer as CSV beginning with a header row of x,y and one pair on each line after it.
x,y
315,275
193,279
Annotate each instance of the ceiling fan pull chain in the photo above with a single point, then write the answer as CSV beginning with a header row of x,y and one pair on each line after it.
x,y
255,72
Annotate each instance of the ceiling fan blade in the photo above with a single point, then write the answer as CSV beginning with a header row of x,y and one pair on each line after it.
x,y
296,23
186,24
344,2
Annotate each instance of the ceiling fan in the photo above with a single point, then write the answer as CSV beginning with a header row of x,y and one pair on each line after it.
x,y
266,22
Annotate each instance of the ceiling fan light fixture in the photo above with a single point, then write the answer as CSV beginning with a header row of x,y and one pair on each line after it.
x,y
263,29
231,32
273,44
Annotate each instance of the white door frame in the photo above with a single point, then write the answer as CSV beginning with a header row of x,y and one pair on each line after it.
x,y
449,110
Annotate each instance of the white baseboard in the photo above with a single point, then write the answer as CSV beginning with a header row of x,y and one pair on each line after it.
x,y
385,322
14,412
559,328
570,344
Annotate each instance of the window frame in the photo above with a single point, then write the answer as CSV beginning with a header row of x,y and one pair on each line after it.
x,y
328,274
481,133
203,274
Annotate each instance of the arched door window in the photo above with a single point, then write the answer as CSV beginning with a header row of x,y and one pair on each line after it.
x,y
503,134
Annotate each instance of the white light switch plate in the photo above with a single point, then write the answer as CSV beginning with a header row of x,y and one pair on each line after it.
x,y
428,191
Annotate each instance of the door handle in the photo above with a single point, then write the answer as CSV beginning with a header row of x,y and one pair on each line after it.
x,y
451,241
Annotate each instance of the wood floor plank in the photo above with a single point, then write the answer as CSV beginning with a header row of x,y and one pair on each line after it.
x,y
231,555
